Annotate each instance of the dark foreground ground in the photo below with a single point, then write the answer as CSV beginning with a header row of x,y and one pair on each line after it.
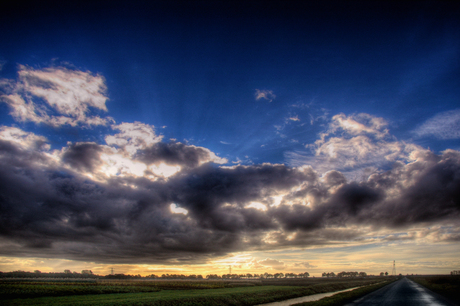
x,y
143,293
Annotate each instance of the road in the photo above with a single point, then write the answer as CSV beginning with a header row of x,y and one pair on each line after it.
x,y
403,292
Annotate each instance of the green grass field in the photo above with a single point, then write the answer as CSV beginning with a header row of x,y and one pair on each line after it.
x,y
166,292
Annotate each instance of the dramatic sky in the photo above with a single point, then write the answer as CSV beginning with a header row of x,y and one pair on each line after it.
x,y
184,138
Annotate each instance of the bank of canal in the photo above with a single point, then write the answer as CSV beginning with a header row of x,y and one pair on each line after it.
x,y
308,298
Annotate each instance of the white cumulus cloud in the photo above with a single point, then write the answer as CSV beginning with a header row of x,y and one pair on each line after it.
x,y
133,136
353,143
40,93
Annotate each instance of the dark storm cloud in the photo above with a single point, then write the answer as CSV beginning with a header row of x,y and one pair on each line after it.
x,y
48,210
174,153
423,192
83,156
433,195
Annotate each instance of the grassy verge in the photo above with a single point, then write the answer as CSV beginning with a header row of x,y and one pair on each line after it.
x,y
248,295
225,296
445,285
345,297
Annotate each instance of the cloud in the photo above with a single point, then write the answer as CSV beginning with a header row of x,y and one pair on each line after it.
x,y
445,125
358,125
138,199
273,263
305,265
84,157
266,263
50,208
176,153
133,136
178,210
38,94
265,94
134,152
353,144
22,139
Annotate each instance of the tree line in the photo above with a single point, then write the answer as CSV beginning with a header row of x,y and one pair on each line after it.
x,y
258,276
89,274
349,274
344,274
38,274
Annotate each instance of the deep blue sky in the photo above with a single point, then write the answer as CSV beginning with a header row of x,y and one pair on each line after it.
x,y
195,68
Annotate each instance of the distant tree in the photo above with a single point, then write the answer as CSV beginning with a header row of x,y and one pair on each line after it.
x,y
347,274
362,274
386,273
327,274
37,271
382,274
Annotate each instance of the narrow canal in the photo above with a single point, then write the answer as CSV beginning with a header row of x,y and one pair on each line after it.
x,y
308,298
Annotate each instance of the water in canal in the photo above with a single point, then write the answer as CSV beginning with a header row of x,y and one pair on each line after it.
x,y
308,298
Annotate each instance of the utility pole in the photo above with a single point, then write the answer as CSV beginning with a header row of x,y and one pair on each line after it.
x,y
230,269
393,272
111,271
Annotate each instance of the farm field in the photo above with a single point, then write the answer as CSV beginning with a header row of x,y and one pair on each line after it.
x,y
115,292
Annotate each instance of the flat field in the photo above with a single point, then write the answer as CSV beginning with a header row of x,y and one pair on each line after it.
x,y
159,292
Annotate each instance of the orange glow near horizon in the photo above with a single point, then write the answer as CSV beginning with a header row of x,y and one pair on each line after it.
x,y
371,260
